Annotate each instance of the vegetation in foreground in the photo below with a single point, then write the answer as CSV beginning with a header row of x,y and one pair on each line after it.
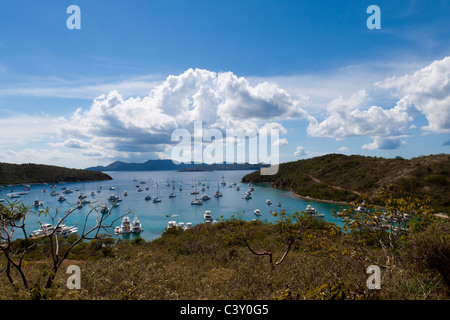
x,y
298,257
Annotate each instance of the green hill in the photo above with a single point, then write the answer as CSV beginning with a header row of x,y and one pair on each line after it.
x,y
344,178
39,173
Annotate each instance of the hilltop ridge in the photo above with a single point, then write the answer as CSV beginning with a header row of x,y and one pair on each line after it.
x,y
39,173
344,178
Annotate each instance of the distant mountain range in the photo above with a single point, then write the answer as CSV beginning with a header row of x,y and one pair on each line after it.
x,y
162,164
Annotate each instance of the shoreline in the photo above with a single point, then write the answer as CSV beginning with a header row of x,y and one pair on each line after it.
x,y
319,200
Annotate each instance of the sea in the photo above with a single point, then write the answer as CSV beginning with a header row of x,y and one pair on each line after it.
x,y
155,217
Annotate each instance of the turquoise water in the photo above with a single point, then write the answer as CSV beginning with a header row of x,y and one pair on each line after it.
x,y
153,215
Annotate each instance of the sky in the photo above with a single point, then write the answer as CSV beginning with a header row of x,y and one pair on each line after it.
x,y
136,71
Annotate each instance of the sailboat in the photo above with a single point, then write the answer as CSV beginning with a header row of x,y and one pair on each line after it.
x,y
157,199
218,193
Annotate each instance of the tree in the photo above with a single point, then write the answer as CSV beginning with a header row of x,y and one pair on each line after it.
x,y
13,220
385,220
289,229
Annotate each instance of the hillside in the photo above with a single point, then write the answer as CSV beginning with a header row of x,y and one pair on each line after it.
x,y
343,178
38,173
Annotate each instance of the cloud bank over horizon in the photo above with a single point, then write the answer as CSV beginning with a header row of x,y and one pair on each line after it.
x,y
116,126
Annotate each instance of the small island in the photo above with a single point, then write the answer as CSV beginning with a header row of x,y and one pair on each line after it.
x,y
40,173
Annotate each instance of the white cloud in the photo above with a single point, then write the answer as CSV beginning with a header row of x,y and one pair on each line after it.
x,y
219,100
428,90
343,149
350,118
384,144
300,152
280,142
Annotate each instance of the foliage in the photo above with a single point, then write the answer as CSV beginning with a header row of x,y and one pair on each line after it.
x,y
39,173
213,261
344,178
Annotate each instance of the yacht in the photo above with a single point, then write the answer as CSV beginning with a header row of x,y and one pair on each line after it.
x,y
139,189
61,198
197,202
268,201
46,228
172,195
67,191
54,193
247,196
38,203
125,227
279,204
61,230
310,210
257,212
125,193
13,195
218,194
104,209
156,200
148,198
207,216
205,197
136,226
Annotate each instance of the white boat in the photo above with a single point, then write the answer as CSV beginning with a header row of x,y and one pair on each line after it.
x,y
61,198
268,201
67,191
45,229
114,198
65,231
207,216
247,196
13,195
197,202
279,204
139,189
38,203
125,193
125,227
112,188
61,230
172,195
136,226
218,194
310,210
171,224
257,212
156,200
205,197
104,209
2,200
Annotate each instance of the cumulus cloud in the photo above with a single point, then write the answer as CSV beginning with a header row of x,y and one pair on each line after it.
x,y
347,119
428,90
218,100
384,144
280,142
300,152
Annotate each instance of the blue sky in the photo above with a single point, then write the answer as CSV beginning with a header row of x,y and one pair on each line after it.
x,y
137,70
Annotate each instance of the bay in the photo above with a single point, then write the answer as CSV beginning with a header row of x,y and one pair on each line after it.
x,y
154,217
